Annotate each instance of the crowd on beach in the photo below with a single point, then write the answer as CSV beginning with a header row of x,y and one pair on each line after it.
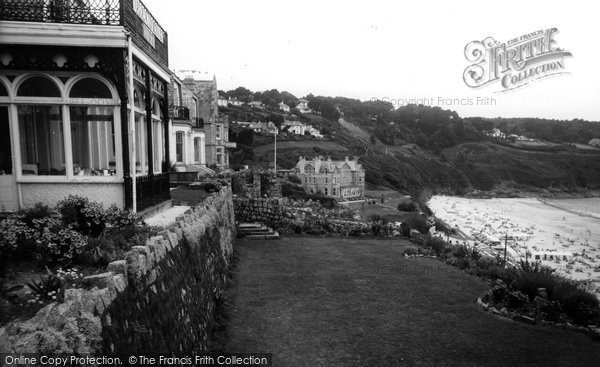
x,y
528,229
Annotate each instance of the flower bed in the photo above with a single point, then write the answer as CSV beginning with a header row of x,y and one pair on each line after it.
x,y
50,249
526,292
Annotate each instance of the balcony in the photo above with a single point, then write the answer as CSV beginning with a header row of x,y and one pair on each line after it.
x,y
179,113
130,14
107,12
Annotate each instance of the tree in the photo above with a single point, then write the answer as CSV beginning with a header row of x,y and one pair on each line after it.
x,y
246,137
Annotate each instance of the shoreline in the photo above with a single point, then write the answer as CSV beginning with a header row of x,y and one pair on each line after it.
x,y
537,194
564,237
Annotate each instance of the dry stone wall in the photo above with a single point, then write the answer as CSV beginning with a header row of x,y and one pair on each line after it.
x,y
268,211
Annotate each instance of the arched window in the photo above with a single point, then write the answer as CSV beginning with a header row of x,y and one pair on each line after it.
x,y
38,86
139,99
90,88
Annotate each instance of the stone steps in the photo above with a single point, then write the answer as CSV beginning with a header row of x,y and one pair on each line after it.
x,y
256,231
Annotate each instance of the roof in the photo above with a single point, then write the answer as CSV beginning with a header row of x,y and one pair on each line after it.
x,y
328,165
292,123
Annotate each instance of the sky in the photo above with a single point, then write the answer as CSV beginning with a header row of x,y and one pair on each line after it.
x,y
389,50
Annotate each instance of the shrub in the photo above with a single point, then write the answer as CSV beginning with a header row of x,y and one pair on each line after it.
x,y
418,222
404,229
114,243
209,187
83,215
55,242
581,306
294,179
38,211
437,244
411,250
46,289
16,238
117,217
407,206
460,251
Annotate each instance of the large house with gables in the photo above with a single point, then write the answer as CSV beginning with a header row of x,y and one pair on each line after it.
x,y
344,179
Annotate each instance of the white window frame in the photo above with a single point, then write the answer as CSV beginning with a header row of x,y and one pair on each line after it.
x,y
64,102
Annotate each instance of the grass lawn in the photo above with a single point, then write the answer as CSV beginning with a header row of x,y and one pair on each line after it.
x,y
357,302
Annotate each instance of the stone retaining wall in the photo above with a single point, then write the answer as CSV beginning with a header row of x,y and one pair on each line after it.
x,y
160,298
268,211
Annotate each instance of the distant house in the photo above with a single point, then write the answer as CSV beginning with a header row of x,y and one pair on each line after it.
x,y
264,127
257,104
234,102
246,124
595,142
302,106
314,132
339,179
222,101
497,133
294,127
284,107
298,128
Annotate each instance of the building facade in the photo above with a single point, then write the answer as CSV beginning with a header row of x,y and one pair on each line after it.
x,y
188,141
302,106
69,119
338,179
216,128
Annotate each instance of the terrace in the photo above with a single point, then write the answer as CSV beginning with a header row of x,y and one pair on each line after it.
x,y
131,14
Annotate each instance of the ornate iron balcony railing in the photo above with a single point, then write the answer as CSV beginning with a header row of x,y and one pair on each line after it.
x,y
179,113
105,12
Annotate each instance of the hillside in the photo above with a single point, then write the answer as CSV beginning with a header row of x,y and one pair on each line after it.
x,y
421,150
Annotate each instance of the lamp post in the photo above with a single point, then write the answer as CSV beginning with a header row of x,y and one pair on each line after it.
x,y
275,151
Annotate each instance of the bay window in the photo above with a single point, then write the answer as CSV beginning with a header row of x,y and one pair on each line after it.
x,y
65,131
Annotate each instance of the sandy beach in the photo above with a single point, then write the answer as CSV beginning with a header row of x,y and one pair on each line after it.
x,y
561,233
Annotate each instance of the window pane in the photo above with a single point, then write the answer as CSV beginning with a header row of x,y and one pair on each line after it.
x,y
42,144
3,91
90,88
197,150
38,86
158,145
5,148
141,139
92,140
179,146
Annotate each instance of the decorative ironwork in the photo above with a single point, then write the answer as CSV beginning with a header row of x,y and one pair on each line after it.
x,y
139,72
158,86
150,190
108,62
179,113
106,12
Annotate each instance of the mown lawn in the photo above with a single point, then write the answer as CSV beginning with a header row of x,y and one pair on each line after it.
x,y
358,302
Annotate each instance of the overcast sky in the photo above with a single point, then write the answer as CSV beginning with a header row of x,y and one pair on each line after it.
x,y
384,49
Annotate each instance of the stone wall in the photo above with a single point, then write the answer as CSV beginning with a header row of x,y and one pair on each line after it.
x,y
267,211
160,298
